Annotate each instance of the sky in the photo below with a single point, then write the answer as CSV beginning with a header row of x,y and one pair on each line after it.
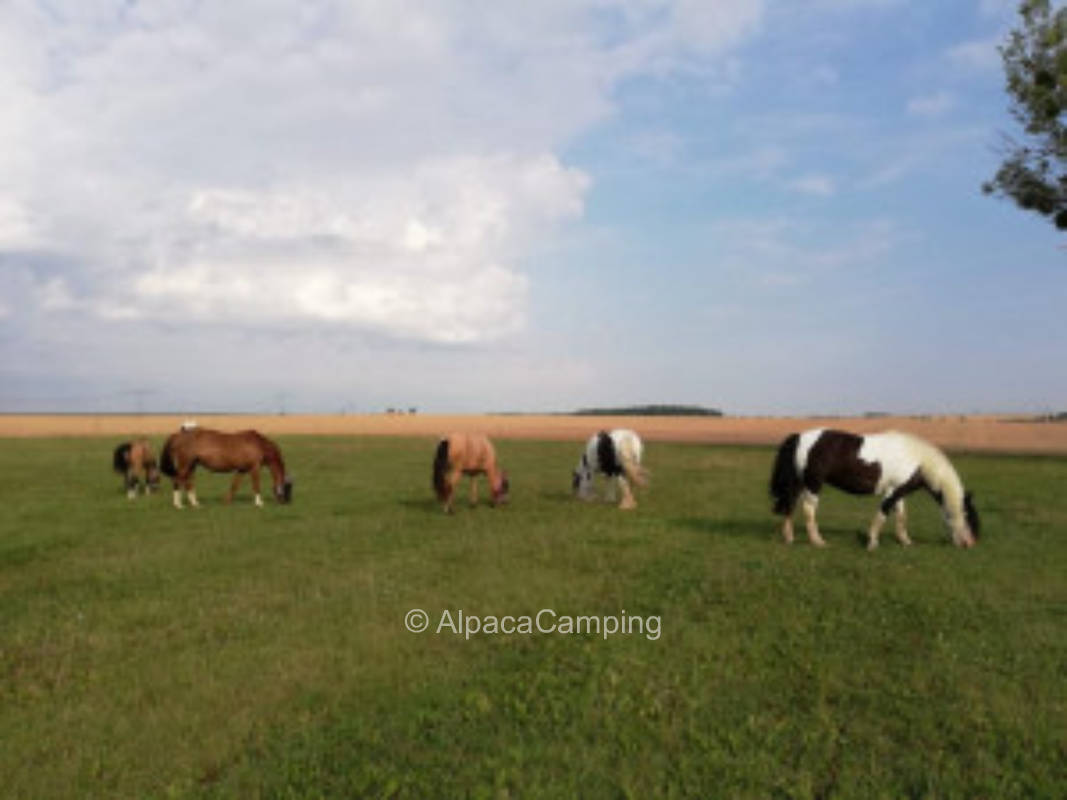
x,y
760,206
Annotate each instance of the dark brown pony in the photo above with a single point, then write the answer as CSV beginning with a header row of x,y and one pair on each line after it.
x,y
242,452
136,463
467,454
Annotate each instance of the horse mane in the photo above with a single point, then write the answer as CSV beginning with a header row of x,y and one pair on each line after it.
x,y
606,455
440,468
935,466
271,451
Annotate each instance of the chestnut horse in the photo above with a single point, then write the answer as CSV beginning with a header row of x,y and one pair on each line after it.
x,y
240,453
467,454
136,462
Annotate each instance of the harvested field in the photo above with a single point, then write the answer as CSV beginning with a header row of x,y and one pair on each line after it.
x,y
971,433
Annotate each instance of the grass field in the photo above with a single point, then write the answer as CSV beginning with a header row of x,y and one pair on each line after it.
x,y
236,652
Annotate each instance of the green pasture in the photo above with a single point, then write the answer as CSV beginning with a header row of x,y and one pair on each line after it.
x,y
240,652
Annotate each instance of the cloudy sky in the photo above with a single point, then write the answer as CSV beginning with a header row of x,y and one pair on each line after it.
x,y
765,206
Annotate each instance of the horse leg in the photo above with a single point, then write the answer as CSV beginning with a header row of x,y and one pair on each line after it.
x,y
451,480
875,529
190,489
178,490
131,485
233,487
255,487
902,524
787,528
810,502
627,501
893,501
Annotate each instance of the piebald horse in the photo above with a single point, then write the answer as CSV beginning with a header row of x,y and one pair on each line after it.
x,y
616,455
136,462
469,454
240,453
889,464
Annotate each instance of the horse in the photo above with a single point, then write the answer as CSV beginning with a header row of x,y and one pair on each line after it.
x,y
614,454
136,462
468,454
240,453
890,464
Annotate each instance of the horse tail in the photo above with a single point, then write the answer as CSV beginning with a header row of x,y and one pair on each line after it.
x,y
166,459
440,469
121,457
785,482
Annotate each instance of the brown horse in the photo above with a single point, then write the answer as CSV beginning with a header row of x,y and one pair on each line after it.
x,y
136,462
240,453
467,454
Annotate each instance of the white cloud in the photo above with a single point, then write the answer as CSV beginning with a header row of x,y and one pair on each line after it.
x,y
815,185
931,105
759,164
780,252
823,76
16,229
385,166
979,55
55,295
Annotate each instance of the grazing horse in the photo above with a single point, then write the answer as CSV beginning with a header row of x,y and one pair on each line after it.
x,y
615,454
136,462
469,454
240,453
889,464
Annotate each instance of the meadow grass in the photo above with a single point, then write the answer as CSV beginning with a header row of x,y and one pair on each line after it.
x,y
240,652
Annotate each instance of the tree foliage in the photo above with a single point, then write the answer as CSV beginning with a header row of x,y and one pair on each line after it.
x,y
1034,171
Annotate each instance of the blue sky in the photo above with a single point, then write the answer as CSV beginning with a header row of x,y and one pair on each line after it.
x,y
769,208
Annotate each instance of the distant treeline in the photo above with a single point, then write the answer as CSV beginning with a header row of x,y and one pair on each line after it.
x,y
650,411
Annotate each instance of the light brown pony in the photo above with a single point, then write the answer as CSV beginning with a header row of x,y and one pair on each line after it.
x,y
136,462
461,454
242,452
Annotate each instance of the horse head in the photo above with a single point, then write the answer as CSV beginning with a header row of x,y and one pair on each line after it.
x,y
283,492
152,476
962,522
582,479
500,493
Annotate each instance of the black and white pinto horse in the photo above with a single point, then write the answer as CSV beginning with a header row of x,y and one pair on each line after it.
x,y
889,464
617,456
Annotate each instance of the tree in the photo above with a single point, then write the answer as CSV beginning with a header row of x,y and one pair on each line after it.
x,y
1034,172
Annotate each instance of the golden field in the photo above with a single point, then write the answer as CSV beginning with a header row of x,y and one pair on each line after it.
x,y
972,433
